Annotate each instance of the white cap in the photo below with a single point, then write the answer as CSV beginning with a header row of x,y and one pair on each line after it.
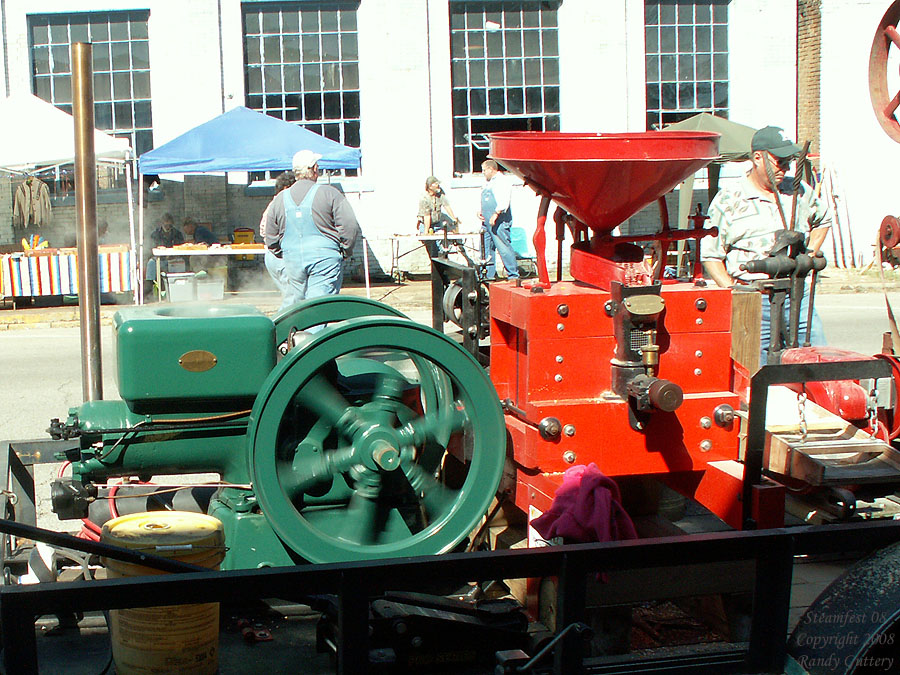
x,y
305,159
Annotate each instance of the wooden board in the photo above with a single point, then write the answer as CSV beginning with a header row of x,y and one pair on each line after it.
x,y
746,318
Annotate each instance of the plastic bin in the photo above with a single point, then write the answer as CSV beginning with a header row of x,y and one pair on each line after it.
x,y
210,289
179,286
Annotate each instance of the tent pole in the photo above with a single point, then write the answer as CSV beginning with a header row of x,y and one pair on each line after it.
x,y
366,267
132,270
140,245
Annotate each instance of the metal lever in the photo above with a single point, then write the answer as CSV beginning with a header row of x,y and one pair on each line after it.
x,y
511,661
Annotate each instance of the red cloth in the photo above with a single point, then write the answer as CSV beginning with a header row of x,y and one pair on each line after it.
x,y
586,509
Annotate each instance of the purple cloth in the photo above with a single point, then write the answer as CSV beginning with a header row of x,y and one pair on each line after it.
x,y
586,509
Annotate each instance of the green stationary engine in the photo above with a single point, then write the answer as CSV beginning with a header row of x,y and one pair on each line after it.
x,y
371,437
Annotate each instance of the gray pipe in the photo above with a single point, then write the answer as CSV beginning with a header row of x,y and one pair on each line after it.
x,y
86,221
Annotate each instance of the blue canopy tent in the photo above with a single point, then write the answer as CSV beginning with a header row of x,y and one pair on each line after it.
x,y
244,140
240,140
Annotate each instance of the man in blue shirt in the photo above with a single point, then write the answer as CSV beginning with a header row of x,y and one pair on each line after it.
x,y
496,221
199,233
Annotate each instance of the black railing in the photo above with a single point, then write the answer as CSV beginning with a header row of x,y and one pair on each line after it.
x,y
354,583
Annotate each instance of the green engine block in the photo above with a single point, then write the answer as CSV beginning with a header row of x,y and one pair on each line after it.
x,y
371,437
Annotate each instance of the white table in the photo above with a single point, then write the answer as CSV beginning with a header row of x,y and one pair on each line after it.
x,y
224,250
418,241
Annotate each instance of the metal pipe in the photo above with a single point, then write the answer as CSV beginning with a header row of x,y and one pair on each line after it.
x,y
86,221
797,183
771,177
810,309
133,268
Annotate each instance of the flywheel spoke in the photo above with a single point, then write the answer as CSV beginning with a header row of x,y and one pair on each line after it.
x,y
364,514
892,35
388,396
320,397
892,106
310,470
436,497
432,431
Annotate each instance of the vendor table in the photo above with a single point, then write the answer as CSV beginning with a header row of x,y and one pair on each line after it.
x,y
418,241
225,249
49,271
234,251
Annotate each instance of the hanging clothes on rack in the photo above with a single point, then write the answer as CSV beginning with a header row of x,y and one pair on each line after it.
x,y
31,205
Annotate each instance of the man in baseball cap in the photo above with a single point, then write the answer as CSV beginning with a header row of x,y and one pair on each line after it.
x,y
769,139
313,229
749,214
305,159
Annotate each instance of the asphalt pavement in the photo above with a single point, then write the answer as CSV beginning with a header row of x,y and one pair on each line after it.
x,y
413,297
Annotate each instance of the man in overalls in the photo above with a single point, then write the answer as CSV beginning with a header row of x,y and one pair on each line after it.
x,y
496,221
312,228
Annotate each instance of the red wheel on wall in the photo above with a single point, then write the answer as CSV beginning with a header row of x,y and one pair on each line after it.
x,y
889,232
885,103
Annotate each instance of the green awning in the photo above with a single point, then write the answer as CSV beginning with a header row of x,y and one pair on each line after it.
x,y
734,145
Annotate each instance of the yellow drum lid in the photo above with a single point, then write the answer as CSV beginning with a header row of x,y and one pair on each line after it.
x,y
171,534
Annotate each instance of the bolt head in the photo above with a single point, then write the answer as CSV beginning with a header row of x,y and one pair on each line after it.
x,y
549,428
569,457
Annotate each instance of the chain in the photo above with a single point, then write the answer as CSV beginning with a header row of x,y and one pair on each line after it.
x,y
801,412
872,410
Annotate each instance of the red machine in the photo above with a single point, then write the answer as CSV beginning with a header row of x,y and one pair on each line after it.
x,y
618,367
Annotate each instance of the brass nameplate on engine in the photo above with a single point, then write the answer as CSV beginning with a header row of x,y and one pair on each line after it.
x,y
198,361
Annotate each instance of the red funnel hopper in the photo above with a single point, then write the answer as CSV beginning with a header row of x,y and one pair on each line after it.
x,y
603,179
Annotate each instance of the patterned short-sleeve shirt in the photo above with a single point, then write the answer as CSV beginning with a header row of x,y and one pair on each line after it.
x,y
432,204
748,221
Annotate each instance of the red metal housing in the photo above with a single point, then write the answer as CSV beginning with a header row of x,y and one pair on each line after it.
x,y
572,360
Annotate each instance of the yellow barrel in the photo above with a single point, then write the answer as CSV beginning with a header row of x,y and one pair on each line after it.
x,y
180,639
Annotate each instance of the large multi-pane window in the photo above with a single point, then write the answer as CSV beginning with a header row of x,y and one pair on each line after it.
x,y
505,73
686,59
121,65
301,64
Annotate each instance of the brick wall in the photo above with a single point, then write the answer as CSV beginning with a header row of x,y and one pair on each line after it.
x,y
809,60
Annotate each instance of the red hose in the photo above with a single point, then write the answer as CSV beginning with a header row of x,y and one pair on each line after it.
x,y
111,499
895,368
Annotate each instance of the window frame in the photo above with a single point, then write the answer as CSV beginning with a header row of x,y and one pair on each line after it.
x,y
301,65
119,44
514,84
685,59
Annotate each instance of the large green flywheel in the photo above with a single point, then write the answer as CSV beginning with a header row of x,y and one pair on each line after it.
x,y
327,309
377,438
